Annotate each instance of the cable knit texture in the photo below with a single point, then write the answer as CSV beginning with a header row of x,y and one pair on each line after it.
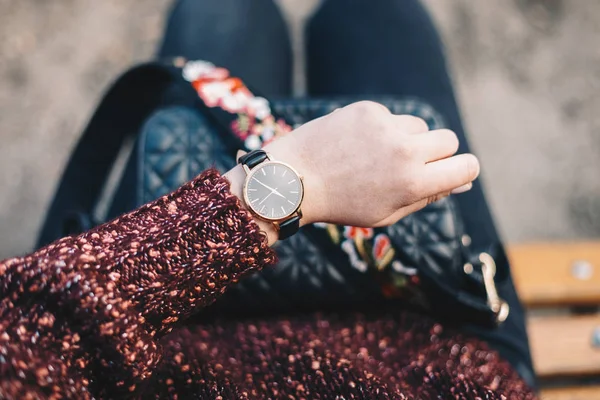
x,y
103,315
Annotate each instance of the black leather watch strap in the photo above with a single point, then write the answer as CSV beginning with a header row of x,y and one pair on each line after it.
x,y
289,227
253,158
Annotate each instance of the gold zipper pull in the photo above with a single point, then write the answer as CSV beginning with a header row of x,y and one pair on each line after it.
x,y
497,305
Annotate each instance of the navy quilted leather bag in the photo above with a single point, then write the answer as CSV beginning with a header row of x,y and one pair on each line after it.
x,y
172,135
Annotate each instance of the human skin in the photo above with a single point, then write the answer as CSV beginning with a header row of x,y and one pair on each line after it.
x,y
363,166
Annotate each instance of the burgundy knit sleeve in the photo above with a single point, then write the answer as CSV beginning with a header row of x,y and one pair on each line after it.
x,y
83,315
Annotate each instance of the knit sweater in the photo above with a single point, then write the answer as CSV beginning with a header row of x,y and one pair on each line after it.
x,y
106,315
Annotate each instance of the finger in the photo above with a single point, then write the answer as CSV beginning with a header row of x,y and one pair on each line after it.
x,y
448,174
437,145
414,207
410,124
403,212
463,188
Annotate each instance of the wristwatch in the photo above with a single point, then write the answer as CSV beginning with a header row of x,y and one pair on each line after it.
x,y
273,191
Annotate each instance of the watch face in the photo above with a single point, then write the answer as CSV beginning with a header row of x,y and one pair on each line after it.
x,y
273,190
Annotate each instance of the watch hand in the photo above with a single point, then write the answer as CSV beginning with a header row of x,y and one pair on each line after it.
x,y
278,194
270,188
266,197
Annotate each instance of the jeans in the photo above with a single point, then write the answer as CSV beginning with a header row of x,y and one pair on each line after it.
x,y
354,48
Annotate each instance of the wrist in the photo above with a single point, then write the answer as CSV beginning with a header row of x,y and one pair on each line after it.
x,y
291,152
236,177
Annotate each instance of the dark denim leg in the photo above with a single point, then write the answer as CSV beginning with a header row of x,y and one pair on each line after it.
x,y
391,47
249,38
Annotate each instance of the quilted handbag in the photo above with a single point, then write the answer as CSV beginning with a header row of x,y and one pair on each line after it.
x,y
164,123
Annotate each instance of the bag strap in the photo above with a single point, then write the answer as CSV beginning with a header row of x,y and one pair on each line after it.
x,y
118,118
135,95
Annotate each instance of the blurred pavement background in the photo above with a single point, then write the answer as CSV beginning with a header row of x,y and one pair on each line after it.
x,y
527,74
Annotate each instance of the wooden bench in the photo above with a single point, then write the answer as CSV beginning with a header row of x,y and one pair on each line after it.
x,y
559,284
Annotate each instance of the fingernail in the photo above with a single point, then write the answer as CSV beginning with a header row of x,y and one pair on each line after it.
x,y
463,188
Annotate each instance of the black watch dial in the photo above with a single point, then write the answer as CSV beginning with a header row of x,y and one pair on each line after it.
x,y
273,190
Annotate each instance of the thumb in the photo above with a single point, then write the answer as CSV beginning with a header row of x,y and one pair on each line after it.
x,y
414,207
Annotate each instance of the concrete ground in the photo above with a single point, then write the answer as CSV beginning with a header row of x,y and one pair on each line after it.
x,y
527,75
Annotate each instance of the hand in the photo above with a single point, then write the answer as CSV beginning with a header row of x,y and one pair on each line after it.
x,y
364,166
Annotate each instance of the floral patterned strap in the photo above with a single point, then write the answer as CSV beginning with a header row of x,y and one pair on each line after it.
x,y
251,119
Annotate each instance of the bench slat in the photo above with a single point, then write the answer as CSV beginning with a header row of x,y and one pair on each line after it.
x,y
562,345
543,273
572,393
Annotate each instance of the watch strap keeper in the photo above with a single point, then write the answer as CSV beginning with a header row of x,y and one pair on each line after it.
x,y
253,158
